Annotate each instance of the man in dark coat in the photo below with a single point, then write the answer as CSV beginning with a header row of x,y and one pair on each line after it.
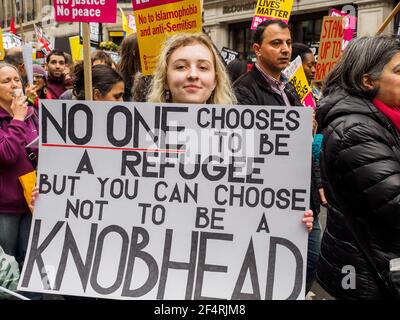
x,y
265,84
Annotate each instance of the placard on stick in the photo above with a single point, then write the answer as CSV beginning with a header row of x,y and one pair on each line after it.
x,y
155,20
330,48
100,11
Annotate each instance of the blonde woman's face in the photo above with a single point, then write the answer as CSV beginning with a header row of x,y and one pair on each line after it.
x,y
191,74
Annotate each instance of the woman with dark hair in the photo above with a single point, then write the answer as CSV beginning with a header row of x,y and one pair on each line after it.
x,y
236,68
137,85
129,64
107,83
360,166
307,59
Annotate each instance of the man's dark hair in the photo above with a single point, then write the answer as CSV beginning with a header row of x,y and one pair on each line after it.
x,y
56,52
299,49
258,35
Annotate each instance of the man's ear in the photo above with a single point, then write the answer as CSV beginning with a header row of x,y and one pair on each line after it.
x,y
256,48
368,82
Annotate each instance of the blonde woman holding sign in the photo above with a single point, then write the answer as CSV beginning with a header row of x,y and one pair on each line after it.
x,y
189,70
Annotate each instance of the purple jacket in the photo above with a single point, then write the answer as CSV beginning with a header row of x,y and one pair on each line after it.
x,y
14,162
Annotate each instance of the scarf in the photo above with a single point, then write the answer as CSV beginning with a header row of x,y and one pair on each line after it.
x,y
393,114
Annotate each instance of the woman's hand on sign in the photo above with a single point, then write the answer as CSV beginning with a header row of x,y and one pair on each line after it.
x,y
308,220
35,194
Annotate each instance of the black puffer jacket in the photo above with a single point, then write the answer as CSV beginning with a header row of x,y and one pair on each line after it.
x,y
360,168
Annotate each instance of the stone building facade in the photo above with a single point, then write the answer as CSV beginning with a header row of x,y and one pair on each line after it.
x,y
228,21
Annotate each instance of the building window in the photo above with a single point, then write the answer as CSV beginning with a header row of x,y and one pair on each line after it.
x,y
241,40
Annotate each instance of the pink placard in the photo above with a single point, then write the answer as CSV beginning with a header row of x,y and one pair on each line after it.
x,y
101,11
258,19
309,101
350,25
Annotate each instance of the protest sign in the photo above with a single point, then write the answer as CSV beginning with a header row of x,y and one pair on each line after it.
x,y
76,48
85,11
157,19
96,33
128,23
297,77
11,40
28,62
349,26
143,201
2,51
330,48
229,55
271,10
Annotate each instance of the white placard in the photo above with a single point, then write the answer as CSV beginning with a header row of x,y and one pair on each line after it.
x,y
28,63
210,206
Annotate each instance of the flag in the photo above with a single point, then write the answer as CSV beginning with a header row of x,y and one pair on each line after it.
x,y
44,43
125,26
12,26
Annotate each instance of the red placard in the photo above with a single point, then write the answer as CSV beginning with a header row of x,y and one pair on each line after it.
x,y
85,11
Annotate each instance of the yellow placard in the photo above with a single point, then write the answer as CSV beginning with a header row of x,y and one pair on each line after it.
x,y
300,83
76,48
125,24
2,52
28,182
297,77
154,24
271,10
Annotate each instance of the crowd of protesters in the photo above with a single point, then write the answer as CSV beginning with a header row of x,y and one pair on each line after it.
x,y
355,169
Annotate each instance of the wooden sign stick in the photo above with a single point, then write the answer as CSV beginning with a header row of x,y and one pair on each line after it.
x,y
87,64
388,19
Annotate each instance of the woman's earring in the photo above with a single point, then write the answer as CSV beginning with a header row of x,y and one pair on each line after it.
x,y
167,95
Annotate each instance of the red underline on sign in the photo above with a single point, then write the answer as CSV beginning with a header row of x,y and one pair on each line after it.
x,y
114,148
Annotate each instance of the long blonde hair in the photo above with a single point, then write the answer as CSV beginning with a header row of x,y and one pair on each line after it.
x,y
222,94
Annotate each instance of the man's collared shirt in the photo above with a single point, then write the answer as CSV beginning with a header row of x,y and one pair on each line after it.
x,y
276,85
